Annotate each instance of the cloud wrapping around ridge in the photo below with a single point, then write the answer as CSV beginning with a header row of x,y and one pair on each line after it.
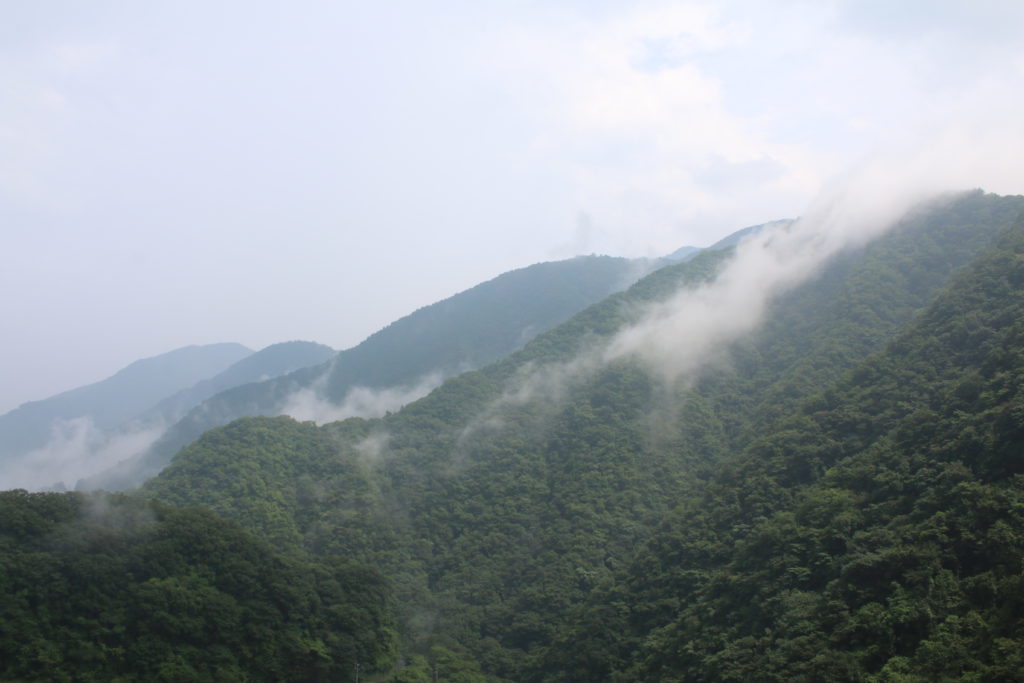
x,y
677,337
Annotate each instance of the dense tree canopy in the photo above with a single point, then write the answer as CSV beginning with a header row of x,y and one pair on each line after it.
x,y
875,534
117,588
841,500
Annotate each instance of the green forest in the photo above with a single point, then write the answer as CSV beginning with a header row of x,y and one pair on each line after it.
x,y
108,588
838,497
465,331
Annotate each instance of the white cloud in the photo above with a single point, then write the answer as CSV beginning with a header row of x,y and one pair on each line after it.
x,y
627,114
680,336
671,123
310,404
76,449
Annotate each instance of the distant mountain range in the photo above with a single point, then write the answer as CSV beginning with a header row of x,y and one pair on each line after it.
x,y
686,253
150,416
78,432
118,398
835,496
272,361
407,358
670,484
404,360
115,400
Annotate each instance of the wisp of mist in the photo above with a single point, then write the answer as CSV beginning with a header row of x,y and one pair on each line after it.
x,y
77,449
676,337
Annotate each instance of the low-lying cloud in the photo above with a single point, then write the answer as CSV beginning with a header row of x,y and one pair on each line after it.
x,y
677,337
77,449
309,403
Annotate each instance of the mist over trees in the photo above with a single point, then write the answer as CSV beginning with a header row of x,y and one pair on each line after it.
x,y
833,494
402,361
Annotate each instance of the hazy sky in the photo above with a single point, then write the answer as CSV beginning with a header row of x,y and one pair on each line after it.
x,y
189,172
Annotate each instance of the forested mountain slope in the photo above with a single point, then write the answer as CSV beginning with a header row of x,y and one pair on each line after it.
x,y
465,331
876,533
100,588
542,521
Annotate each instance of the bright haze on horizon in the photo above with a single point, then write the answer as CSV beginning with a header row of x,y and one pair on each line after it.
x,y
186,173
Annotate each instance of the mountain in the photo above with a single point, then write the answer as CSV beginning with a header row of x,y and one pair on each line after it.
x,y
85,431
686,253
683,254
405,359
482,324
738,236
873,533
119,397
835,496
38,434
272,361
410,356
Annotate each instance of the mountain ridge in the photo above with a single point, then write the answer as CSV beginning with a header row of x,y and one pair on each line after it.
x,y
429,340
499,522
835,495
893,503
78,431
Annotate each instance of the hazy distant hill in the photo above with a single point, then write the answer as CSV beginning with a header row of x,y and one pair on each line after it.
x,y
838,498
683,254
409,356
462,332
482,324
84,431
118,398
686,253
267,363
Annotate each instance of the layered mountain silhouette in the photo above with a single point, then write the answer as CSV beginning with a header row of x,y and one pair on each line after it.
x,y
832,497
118,398
835,493
87,429
408,357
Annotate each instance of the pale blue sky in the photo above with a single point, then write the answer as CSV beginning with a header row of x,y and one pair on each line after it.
x,y
193,172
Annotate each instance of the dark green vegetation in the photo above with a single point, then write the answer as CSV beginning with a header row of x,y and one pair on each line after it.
x,y
877,531
113,588
465,331
839,497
